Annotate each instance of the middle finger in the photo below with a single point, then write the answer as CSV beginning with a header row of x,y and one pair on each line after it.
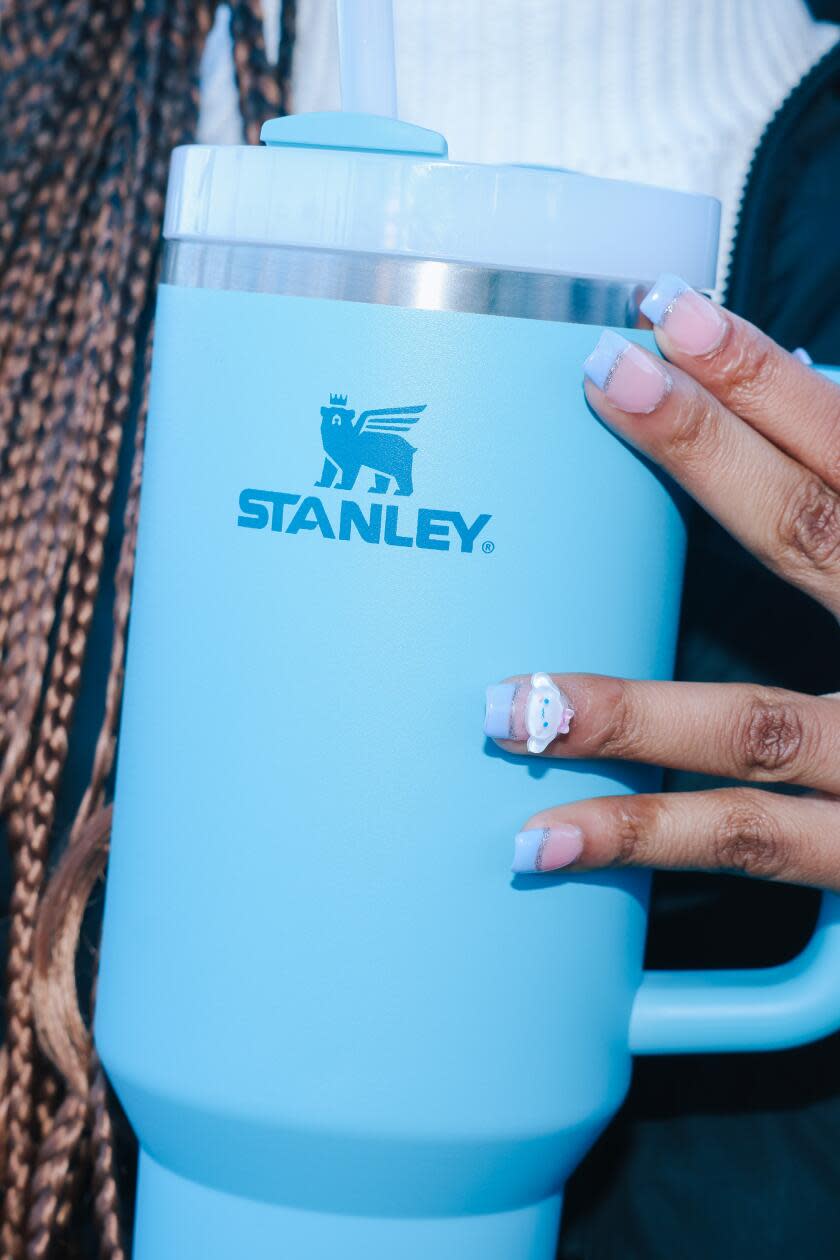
x,y
785,514
759,734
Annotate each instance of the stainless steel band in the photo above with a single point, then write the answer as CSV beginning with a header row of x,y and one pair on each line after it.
x,y
392,280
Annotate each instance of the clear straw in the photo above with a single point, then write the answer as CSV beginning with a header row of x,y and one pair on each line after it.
x,y
366,51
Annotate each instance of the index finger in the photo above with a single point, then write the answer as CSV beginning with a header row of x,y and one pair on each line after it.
x,y
797,408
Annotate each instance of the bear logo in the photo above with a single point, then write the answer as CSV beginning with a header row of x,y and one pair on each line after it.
x,y
374,441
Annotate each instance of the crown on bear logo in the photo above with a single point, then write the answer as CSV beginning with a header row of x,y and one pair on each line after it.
x,y
338,400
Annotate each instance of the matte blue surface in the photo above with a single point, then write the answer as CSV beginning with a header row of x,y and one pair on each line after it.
x,y
766,1008
337,1023
181,1218
340,998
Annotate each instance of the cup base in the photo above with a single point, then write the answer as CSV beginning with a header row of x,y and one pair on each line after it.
x,y
178,1219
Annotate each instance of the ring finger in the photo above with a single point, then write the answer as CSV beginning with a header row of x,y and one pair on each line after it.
x,y
754,832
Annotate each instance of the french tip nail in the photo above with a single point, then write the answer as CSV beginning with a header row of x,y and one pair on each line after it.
x,y
599,366
694,325
498,710
543,849
803,356
661,296
633,380
526,850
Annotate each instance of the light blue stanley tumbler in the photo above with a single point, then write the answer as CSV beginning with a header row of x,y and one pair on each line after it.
x,y
338,1024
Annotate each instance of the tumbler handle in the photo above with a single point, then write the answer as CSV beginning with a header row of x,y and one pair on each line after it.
x,y
766,1008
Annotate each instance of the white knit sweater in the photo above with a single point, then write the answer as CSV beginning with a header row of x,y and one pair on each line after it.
x,y
670,92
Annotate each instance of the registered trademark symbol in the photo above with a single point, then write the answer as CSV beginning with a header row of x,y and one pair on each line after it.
x,y
488,547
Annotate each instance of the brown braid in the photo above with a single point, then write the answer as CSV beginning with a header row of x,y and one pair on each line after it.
x,y
4,1076
33,798
105,1194
93,96
285,54
62,1033
37,358
58,1150
259,94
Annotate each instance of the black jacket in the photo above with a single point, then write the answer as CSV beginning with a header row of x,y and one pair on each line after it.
x,y
715,1158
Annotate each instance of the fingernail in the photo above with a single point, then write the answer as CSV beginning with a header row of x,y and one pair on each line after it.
x,y
803,356
536,712
632,380
546,848
498,711
693,323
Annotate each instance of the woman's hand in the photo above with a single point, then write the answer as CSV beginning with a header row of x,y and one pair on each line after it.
x,y
754,435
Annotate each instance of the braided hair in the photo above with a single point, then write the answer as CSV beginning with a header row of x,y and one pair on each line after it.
x,y
94,94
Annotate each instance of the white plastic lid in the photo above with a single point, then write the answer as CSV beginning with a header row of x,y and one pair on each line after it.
x,y
375,185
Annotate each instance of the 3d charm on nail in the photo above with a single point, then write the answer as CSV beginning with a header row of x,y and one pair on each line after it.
x,y
536,712
547,714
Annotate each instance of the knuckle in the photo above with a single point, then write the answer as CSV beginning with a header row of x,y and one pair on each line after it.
x,y
618,735
695,429
748,841
770,738
746,368
810,527
636,825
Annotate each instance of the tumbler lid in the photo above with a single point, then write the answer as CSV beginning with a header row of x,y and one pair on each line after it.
x,y
359,183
